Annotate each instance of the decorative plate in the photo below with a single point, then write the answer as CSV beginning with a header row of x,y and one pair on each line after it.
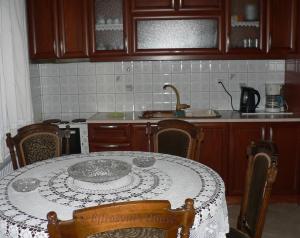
x,y
143,162
99,171
25,184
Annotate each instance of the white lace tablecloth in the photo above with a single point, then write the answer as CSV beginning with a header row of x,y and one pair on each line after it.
x,y
23,214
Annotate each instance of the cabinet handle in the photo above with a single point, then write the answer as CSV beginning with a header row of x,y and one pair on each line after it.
x,y
108,127
126,44
270,41
271,134
54,48
148,133
263,133
113,145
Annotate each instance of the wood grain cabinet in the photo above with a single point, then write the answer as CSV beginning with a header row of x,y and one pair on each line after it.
x,y
285,135
214,148
281,26
57,29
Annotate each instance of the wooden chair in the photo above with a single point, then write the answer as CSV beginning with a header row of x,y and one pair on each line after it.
x,y
177,137
34,143
137,219
261,174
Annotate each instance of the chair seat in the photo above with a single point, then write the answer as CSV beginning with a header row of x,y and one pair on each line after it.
x,y
234,233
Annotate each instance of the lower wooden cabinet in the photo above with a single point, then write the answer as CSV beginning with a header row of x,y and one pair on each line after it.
x,y
285,135
223,149
213,150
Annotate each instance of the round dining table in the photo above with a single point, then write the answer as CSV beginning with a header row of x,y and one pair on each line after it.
x,y
65,184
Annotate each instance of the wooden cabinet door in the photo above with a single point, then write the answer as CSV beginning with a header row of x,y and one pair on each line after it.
x,y
213,150
140,140
191,5
152,5
286,136
281,26
73,28
42,29
241,135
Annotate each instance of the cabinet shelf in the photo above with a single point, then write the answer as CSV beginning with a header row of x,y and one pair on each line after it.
x,y
245,24
109,27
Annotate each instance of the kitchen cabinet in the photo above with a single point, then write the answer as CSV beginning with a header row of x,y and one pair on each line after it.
x,y
175,5
214,148
246,25
281,26
57,29
285,135
108,28
163,26
103,137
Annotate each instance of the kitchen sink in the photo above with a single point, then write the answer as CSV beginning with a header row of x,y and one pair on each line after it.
x,y
201,113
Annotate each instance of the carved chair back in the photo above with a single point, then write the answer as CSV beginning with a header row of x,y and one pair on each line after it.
x,y
177,137
261,174
34,143
137,219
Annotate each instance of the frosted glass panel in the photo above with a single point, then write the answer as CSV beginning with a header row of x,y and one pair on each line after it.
x,y
109,24
163,34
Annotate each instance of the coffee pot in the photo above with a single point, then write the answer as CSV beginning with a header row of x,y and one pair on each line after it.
x,y
247,103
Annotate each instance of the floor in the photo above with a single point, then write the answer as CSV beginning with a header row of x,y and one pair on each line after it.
x,y
282,221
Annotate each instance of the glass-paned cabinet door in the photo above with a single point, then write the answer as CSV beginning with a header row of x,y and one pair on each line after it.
x,y
246,22
161,34
109,27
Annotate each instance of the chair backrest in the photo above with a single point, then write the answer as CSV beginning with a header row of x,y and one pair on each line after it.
x,y
34,143
177,137
137,219
261,174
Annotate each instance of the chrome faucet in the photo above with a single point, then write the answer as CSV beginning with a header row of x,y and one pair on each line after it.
x,y
179,106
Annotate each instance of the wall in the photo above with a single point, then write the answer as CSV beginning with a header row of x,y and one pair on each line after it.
x,y
73,90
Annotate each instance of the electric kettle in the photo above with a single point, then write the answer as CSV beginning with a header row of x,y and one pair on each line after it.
x,y
247,103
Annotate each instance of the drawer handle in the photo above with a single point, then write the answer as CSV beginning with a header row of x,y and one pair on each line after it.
x,y
108,127
114,145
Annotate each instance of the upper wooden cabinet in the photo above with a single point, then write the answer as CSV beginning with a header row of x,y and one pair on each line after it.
x,y
108,21
281,26
175,5
57,29
246,24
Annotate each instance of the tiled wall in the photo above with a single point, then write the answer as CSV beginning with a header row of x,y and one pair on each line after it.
x,y
73,90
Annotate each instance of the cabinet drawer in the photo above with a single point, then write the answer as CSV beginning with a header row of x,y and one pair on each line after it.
x,y
200,4
95,147
109,133
152,5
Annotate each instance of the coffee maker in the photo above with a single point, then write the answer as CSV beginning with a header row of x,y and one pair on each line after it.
x,y
274,98
247,103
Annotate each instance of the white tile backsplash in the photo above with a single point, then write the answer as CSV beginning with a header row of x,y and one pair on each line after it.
x,y
80,89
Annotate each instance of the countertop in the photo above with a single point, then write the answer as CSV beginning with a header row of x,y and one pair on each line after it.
x,y
226,116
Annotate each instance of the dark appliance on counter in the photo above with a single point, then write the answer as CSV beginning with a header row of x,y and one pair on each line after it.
x,y
247,103
75,143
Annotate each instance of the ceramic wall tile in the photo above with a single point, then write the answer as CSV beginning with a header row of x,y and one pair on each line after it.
x,y
87,103
69,85
124,102
50,85
49,70
124,83
162,67
68,69
105,68
142,101
200,82
69,116
142,67
138,85
69,103
105,83
143,83
215,79
106,102
87,84
86,68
